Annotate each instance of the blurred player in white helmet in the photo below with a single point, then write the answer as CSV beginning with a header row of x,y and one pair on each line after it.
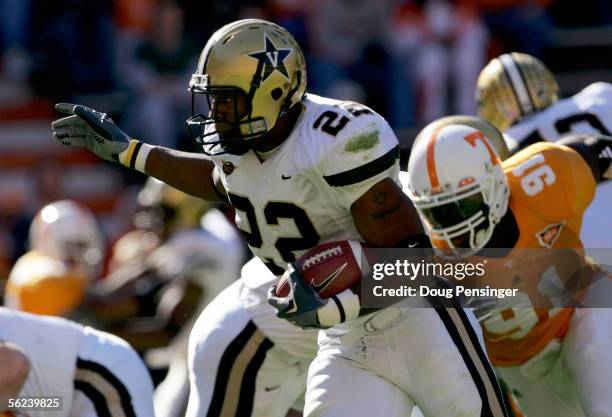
x,y
94,373
66,255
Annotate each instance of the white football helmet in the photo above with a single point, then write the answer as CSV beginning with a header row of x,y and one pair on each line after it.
x,y
458,186
67,231
258,70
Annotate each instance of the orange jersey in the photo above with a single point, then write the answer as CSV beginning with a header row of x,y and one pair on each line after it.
x,y
550,188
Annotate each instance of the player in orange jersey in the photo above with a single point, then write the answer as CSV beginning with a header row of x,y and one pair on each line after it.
x,y
554,359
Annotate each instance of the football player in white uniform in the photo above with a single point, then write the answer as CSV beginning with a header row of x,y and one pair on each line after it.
x,y
520,96
243,360
96,374
301,170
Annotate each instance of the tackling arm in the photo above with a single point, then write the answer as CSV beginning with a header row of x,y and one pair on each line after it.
x,y
596,150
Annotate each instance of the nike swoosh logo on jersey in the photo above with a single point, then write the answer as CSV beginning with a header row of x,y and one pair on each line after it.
x,y
286,177
325,283
268,389
412,246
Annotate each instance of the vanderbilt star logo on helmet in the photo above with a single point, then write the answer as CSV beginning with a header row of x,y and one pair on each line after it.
x,y
272,59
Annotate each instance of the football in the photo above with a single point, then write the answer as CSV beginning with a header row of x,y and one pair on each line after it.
x,y
329,268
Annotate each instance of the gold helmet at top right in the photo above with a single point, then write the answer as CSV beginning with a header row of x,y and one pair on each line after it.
x,y
513,86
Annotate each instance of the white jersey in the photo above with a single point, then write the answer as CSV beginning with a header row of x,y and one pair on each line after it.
x,y
52,345
94,372
301,195
589,111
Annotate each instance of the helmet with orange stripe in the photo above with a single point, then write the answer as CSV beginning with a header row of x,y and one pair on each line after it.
x,y
457,184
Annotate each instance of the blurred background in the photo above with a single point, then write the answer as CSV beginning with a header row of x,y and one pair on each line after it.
x,y
411,60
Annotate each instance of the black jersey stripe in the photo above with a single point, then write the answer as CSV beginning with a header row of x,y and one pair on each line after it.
x,y
362,173
85,369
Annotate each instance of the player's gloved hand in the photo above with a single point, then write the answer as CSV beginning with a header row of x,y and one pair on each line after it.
x,y
301,305
88,128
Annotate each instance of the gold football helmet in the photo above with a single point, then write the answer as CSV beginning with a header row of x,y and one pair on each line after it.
x,y
250,72
513,86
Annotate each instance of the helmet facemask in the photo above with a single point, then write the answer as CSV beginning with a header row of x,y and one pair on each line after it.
x,y
257,69
233,126
464,220
457,183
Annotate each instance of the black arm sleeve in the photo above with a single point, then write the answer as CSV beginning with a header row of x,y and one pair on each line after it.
x,y
595,149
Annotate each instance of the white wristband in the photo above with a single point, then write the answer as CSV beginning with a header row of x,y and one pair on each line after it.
x,y
135,156
339,308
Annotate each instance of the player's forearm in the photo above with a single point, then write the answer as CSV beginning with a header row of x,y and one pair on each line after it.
x,y
596,150
385,217
15,369
188,172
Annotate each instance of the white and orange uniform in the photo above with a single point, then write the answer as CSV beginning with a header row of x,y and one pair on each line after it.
x,y
40,284
555,360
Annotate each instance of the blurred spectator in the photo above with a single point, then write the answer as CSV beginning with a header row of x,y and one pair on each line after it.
x,y
158,76
592,13
443,41
14,22
72,47
293,16
6,260
134,21
519,25
14,225
48,183
349,40
202,18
